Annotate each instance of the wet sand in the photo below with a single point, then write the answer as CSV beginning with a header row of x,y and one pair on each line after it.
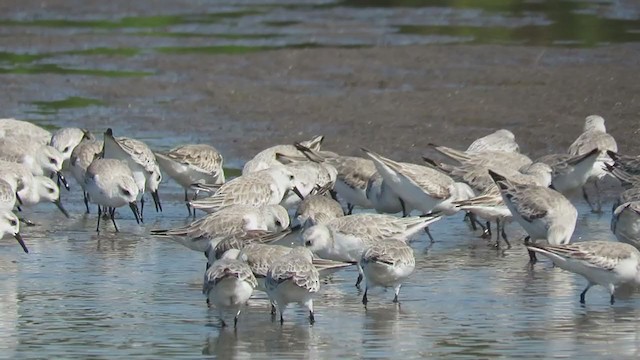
x,y
395,100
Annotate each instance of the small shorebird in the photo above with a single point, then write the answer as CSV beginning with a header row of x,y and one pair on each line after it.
x,y
386,263
604,263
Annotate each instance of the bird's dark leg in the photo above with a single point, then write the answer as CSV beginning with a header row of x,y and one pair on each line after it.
x,y
429,234
613,300
504,236
350,209
312,318
235,320
281,319
112,214
99,216
586,198
532,255
186,201
584,292
359,280
498,233
472,220
364,297
404,208
141,207
86,201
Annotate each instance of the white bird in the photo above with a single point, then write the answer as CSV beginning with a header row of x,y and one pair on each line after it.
x,y
293,279
12,127
386,263
38,189
308,176
625,217
604,263
228,285
142,162
594,136
500,140
344,239
317,208
81,157
9,224
110,184
66,139
265,187
543,213
192,164
39,159
420,187
267,158
570,172
236,221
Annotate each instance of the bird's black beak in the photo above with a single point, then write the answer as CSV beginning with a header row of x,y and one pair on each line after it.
x,y
18,198
21,242
297,192
136,212
59,205
156,200
63,180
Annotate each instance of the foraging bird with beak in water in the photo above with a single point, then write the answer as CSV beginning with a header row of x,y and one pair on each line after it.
x,y
110,184
142,162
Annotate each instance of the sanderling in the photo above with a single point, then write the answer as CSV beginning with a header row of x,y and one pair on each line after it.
x,y
500,140
490,207
625,217
232,221
265,187
81,157
110,183
594,136
9,224
308,176
344,239
66,139
41,188
140,160
382,197
353,174
316,209
570,172
490,159
420,187
228,285
605,263
12,127
267,158
386,263
293,279
625,223
543,213
192,164
8,196
625,168
40,159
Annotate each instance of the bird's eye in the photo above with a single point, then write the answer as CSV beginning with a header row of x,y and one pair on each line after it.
x,y
126,192
13,223
278,223
65,149
159,178
51,191
307,243
290,177
151,172
53,161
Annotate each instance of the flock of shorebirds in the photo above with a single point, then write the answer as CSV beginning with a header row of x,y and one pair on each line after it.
x,y
287,220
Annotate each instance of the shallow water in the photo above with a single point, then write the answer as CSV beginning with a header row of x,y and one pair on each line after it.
x,y
80,294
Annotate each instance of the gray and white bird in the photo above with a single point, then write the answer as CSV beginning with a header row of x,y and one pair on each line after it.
x,y
605,263
386,263
228,285
293,279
